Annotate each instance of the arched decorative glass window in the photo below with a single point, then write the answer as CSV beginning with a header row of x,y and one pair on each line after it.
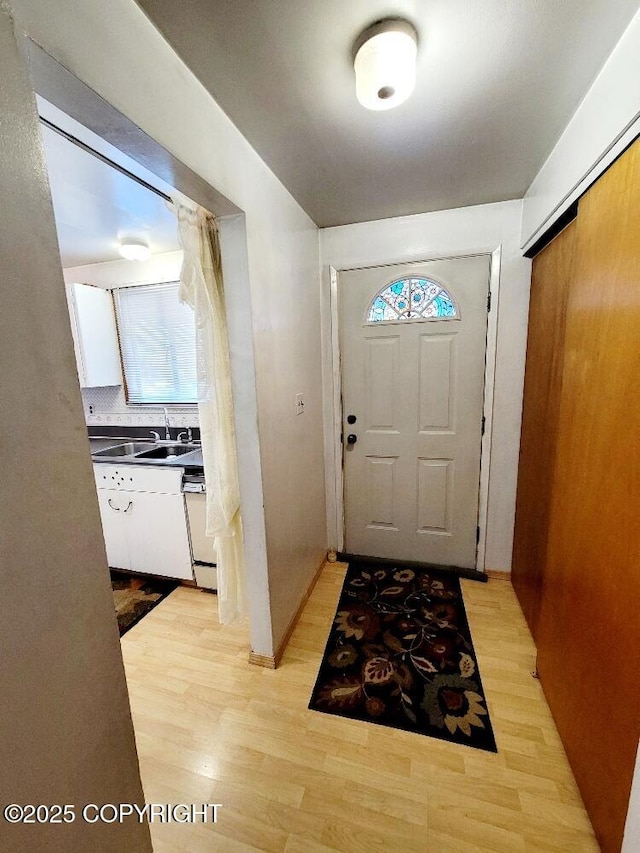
x,y
412,299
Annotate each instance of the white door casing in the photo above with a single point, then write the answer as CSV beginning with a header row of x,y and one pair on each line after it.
x,y
416,387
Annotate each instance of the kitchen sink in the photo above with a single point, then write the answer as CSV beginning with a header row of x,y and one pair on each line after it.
x,y
165,451
130,448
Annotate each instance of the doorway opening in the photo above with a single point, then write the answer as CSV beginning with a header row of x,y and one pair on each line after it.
x,y
413,485
106,131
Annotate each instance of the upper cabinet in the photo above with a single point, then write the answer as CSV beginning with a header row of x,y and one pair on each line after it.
x,y
95,337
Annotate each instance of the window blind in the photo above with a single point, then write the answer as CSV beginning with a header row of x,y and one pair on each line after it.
x,y
158,344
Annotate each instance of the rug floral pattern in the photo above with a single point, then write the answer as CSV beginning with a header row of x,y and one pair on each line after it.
x,y
134,597
400,654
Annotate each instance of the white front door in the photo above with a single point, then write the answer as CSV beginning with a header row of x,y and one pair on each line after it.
x,y
413,341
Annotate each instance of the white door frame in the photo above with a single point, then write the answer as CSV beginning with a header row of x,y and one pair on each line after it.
x,y
335,474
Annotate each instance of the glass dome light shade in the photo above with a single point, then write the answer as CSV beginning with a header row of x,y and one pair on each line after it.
x,y
134,251
385,66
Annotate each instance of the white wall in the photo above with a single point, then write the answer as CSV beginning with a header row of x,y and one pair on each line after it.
x,y
631,841
66,732
449,233
114,49
606,121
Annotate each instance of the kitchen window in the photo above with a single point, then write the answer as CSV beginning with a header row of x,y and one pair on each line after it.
x,y
157,344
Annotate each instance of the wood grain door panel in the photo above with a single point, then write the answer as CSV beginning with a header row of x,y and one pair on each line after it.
x,y
550,279
589,621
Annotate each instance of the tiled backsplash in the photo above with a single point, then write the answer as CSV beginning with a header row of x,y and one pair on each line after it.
x,y
107,407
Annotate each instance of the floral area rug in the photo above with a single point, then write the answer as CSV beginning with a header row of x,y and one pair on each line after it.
x,y
400,654
135,597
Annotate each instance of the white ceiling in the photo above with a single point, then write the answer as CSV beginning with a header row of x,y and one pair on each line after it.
x,y
498,81
95,206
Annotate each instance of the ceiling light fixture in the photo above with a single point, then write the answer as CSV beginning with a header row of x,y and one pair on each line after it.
x,y
134,250
385,63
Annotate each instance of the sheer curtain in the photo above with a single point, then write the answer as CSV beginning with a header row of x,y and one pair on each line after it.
x,y
201,287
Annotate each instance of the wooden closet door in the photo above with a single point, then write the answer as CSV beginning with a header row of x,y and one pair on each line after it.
x,y
550,277
589,625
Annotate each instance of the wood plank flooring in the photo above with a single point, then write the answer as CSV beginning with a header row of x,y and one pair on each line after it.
x,y
211,728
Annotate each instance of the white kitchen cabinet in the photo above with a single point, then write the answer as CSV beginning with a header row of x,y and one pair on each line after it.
x,y
114,528
95,338
157,535
143,520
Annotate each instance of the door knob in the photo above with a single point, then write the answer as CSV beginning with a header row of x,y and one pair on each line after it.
x,y
351,419
351,438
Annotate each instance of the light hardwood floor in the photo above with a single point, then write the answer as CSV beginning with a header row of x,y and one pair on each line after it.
x,y
211,728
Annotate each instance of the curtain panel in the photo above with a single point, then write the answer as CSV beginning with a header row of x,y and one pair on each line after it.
x,y
202,287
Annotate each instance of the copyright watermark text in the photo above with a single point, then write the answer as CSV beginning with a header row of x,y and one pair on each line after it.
x,y
113,813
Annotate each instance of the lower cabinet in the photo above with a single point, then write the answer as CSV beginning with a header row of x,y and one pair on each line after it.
x,y
144,531
113,512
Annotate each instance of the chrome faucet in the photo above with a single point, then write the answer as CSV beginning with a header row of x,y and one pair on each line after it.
x,y
167,433
188,433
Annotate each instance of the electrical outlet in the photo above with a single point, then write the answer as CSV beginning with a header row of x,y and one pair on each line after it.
x,y
299,404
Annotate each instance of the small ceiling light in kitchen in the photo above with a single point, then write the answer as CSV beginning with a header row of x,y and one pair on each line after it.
x,y
134,250
385,64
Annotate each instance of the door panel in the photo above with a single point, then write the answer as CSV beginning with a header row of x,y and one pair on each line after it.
x,y
550,277
434,493
416,388
436,383
113,504
382,367
157,535
589,616
381,492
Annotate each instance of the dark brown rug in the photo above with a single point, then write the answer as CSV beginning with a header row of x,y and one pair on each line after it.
x,y
400,654
134,597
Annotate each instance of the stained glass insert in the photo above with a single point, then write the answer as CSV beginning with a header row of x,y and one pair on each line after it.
x,y
412,299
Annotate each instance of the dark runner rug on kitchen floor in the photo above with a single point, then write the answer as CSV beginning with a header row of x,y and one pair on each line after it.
x,y
400,654
134,597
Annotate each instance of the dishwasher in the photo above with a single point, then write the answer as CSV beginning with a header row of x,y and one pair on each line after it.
x,y
202,551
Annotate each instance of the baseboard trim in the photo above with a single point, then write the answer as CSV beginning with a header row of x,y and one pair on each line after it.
x,y
272,661
497,575
267,661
